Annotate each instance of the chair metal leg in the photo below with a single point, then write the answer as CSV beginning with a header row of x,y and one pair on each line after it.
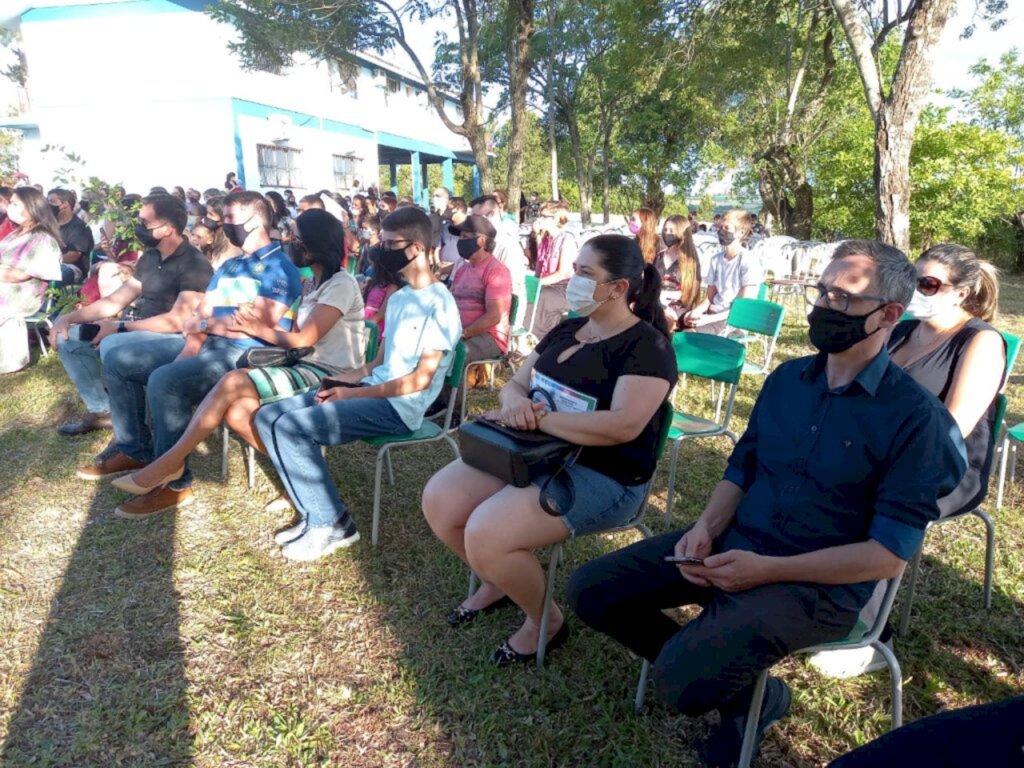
x,y
391,471
753,715
472,583
250,455
641,687
896,678
1002,472
382,454
549,592
1013,464
453,445
225,444
672,480
990,545
644,530
908,598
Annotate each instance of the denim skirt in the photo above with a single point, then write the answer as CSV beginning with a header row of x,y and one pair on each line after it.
x,y
593,502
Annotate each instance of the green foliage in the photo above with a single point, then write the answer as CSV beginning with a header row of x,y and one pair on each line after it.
x,y
706,209
536,156
962,177
67,175
10,146
106,204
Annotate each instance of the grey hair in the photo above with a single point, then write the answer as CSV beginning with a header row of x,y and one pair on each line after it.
x,y
895,277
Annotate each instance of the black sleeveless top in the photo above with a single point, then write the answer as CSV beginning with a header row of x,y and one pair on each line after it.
x,y
935,372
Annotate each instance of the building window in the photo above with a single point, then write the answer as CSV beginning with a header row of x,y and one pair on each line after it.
x,y
279,166
393,85
346,172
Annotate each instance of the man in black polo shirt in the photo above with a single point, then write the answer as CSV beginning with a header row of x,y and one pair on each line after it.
x,y
76,238
169,282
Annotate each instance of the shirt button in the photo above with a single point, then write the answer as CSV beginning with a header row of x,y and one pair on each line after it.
x,y
814,429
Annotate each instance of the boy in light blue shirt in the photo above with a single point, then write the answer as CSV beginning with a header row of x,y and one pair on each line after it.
x,y
386,397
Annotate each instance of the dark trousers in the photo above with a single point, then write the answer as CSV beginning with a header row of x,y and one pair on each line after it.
x,y
990,734
713,661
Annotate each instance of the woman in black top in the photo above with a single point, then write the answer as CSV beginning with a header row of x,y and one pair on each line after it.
x,y
614,367
951,350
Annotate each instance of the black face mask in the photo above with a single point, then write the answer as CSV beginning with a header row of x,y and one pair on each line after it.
x,y
466,248
145,235
300,255
235,233
833,331
670,240
725,237
56,210
394,260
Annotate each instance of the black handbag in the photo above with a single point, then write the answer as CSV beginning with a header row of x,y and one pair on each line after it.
x,y
273,357
515,456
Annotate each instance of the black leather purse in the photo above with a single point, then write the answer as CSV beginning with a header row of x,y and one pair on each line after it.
x,y
274,357
515,456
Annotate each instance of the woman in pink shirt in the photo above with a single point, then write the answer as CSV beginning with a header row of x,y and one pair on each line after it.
x,y
556,252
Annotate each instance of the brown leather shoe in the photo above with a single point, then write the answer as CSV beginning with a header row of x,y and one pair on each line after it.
x,y
114,465
90,423
153,503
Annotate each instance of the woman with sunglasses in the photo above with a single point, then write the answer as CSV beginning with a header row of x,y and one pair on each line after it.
x,y
613,367
329,319
950,349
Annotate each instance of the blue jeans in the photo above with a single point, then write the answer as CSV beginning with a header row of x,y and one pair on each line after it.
x,y
128,359
175,389
293,431
82,362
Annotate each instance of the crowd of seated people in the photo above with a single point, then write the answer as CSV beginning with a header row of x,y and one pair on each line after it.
x,y
825,494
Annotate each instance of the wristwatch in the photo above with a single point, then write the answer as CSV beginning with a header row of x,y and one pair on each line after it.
x,y
202,326
122,326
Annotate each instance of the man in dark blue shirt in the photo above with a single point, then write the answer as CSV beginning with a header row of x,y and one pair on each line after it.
x,y
828,492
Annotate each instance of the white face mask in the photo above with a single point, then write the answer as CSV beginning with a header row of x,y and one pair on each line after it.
x,y
17,215
579,294
923,307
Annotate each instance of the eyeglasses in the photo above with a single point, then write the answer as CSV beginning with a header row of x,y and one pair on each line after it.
x,y
834,298
929,286
394,245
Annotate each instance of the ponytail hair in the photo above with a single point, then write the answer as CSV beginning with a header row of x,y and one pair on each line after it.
x,y
622,259
966,270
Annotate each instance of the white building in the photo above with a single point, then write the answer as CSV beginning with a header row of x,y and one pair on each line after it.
x,y
148,93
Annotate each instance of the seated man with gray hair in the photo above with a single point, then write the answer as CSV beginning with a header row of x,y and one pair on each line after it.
x,y
827,493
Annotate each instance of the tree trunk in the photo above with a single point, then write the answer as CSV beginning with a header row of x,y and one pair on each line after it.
x,y
551,100
519,65
572,123
606,206
895,115
477,136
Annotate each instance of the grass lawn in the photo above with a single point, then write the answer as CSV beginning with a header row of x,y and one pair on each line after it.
x,y
188,641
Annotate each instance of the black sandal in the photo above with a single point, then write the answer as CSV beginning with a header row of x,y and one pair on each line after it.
x,y
505,655
463,615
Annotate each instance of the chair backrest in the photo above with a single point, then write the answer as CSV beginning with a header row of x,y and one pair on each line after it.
x,y
756,316
666,427
1000,415
532,289
372,340
762,291
454,377
1012,348
513,311
353,264
708,356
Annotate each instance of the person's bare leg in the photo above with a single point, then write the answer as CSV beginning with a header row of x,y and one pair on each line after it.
x,y
500,537
206,419
449,498
240,417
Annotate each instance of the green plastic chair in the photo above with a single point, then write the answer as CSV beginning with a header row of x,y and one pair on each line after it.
x,y
41,318
494,362
532,297
1015,433
762,292
372,341
555,550
429,432
762,320
860,637
353,264
709,357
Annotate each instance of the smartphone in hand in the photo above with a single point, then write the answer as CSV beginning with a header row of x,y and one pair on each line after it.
x,y
684,559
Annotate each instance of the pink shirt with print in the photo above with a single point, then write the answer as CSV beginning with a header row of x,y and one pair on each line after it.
x,y
475,285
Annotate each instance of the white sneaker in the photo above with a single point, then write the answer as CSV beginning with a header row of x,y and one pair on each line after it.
x,y
849,662
290,534
320,542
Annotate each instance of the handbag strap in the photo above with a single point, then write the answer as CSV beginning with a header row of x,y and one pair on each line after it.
x,y
547,501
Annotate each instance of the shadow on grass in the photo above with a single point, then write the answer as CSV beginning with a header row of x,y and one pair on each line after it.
x,y
107,685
